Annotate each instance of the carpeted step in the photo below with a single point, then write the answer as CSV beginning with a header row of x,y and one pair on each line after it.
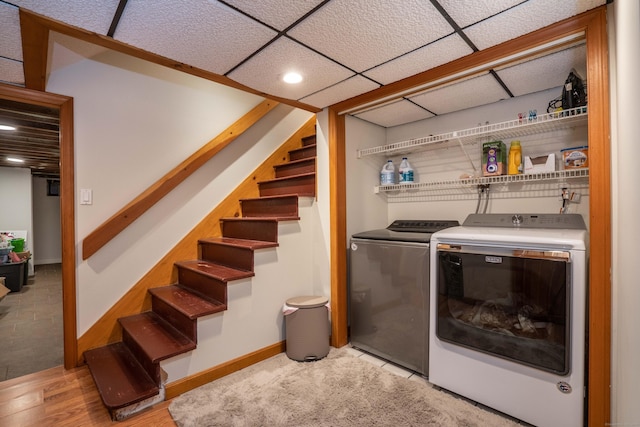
x,y
119,377
303,185
276,207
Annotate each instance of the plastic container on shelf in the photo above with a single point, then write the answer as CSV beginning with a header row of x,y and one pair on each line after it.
x,y
514,164
18,244
575,157
405,172
388,174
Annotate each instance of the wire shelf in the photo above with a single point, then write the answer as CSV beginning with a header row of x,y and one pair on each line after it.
x,y
437,186
504,130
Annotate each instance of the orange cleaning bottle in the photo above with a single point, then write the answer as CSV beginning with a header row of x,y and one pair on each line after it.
x,y
514,165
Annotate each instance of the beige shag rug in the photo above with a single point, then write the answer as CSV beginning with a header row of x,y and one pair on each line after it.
x,y
339,390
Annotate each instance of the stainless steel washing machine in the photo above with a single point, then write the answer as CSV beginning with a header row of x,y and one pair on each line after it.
x,y
389,292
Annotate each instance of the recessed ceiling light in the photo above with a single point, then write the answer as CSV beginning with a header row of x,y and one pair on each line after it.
x,y
6,127
15,160
292,78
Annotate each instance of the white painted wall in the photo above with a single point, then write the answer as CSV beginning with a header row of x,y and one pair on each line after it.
x,y
46,224
134,122
15,199
365,210
321,247
624,33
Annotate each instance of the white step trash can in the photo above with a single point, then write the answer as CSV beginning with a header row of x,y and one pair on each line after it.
x,y
307,327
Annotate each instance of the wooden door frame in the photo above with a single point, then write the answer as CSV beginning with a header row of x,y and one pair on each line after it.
x,y
593,25
67,207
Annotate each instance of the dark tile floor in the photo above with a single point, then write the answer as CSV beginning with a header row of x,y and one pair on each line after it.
x,y
31,325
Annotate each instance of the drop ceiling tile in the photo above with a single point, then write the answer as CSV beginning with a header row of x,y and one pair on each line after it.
x,y
524,19
10,40
264,71
96,16
458,96
204,34
425,58
364,33
545,72
11,72
395,114
351,87
465,13
276,13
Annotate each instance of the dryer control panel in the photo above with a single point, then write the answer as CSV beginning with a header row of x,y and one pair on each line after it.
x,y
548,221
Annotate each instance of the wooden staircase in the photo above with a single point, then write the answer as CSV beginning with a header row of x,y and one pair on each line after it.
x,y
127,373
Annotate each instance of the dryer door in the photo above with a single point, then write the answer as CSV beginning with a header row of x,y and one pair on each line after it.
x,y
513,304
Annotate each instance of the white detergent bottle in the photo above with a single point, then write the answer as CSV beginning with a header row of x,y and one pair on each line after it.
x,y
405,172
388,174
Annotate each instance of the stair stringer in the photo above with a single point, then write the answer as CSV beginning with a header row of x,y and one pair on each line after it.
x,y
280,273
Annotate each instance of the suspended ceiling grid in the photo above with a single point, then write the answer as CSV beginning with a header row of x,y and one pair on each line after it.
x,y
342,48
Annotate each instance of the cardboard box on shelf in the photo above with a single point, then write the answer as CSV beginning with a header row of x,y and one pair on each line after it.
x,y
575,157
24,255
3,289
540,164
494,158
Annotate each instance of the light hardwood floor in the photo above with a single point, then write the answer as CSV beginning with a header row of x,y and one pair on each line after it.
x,y
58,397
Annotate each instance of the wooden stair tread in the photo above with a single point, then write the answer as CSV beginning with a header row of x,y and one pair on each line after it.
x,y
303,148
243,218
118,375
280,208
216,271
274,218
309,140
189,303
278,217
274,198
288,178
296,162
155,336
245,243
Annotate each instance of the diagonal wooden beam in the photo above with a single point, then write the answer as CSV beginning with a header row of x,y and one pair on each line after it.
x,y
134,209
35,45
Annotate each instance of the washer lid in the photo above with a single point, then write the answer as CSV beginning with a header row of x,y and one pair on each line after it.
x,y
397,236
307,301
403,230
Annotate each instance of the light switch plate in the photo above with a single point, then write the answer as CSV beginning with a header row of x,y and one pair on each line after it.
x,y
86,196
